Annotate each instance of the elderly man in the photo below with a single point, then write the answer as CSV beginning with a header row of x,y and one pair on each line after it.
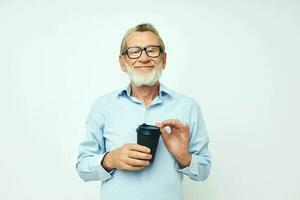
x,y
110,152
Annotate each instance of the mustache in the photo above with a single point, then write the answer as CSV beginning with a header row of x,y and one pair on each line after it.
x,y
148,66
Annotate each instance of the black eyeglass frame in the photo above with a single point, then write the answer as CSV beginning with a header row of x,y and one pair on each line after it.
x,y
143,49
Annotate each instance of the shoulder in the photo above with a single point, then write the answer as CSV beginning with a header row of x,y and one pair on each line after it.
x,y
105,99
184,99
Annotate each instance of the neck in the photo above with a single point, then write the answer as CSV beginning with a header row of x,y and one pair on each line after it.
x,y
145,93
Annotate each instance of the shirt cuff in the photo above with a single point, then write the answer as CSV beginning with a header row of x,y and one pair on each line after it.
x,y
192,169
101,172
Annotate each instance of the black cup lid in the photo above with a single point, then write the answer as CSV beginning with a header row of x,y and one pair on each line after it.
x,y
146,129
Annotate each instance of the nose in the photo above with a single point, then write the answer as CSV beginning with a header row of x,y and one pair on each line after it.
x,y
144,57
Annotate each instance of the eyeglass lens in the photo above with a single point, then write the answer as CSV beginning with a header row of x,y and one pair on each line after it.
x,y
136,52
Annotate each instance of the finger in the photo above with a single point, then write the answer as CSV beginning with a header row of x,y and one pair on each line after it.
x,y
174,123
178,124
133,168
139,155
137,162
158,124
138,147
164,134
186,126
187,129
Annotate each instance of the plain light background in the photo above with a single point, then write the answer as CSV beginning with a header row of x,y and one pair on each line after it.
x,y
238,59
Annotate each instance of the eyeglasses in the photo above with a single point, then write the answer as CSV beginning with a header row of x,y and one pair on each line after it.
x,y
152,51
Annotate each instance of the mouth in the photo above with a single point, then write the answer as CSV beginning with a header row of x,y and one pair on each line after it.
x,y
143,67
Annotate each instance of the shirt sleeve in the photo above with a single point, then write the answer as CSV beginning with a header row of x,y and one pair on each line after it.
x,y
92,149
199,167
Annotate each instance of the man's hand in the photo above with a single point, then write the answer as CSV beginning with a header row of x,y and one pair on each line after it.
x,y
128,157
177,141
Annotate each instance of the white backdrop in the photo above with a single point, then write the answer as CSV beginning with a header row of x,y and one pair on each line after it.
x,y
239,60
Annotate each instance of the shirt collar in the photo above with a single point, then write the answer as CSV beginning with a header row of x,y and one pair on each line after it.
x,y
163,90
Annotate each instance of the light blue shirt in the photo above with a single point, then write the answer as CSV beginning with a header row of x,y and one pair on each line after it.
x,y
112,122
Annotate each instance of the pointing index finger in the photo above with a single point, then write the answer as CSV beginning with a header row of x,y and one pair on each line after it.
x,y
173,123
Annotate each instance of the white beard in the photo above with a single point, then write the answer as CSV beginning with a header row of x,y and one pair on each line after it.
x,y
148,80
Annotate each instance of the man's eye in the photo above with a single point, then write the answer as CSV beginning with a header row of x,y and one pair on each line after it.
x,y
150,50
134,50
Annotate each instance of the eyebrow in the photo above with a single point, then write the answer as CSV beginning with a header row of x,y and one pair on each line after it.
x,y
152,45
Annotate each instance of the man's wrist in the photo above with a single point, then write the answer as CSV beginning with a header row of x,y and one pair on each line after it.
x,y
185,161
107,162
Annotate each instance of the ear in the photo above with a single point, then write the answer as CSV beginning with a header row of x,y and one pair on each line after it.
x,y
122,63
164,60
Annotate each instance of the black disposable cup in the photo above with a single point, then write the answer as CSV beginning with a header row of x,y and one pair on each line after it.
x,y
148,135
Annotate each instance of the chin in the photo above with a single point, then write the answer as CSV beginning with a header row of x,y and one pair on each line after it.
x,y
144,74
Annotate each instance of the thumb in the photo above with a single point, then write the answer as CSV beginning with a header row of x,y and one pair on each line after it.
x,y
158,124
164,134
